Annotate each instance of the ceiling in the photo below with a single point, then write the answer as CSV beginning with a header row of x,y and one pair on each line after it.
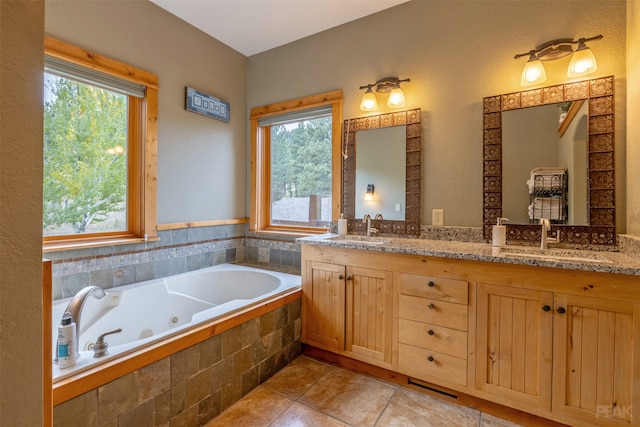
x,y
254,26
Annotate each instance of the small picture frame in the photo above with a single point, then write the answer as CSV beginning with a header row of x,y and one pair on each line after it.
x,y
207,105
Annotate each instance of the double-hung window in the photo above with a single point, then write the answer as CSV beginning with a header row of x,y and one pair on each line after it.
x,y
100,137
296,164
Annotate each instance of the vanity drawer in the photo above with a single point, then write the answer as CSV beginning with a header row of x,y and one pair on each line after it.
x,y
435,312
433,337
422,364
439,288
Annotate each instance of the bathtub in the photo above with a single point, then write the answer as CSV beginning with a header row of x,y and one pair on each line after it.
x,y
151,311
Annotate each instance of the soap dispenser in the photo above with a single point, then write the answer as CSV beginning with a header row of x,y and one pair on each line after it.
x,y
342,225
499,235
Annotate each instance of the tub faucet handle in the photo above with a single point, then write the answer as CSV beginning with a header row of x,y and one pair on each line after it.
x,y
101,347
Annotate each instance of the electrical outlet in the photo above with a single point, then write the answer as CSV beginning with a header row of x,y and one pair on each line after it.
x,y
398,207
437,217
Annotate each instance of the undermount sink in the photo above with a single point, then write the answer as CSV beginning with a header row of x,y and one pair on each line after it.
x,y
554,254
361,240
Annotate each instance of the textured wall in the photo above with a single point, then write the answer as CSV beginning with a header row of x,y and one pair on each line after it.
x,y
633,112
456,53
201,161
21,62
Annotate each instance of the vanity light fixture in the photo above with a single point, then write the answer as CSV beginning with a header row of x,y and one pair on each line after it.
x,y
582,61
389,85
369,193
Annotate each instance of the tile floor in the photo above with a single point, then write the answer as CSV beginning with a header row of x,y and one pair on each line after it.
x,y
311,393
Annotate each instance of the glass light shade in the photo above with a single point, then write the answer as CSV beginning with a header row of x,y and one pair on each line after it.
x,y
368,102
533,72
396,98
582,62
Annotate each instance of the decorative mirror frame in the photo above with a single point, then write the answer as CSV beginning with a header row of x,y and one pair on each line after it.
x,y
599,93
411,224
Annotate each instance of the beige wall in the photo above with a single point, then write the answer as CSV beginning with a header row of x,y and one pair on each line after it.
x,y
633,113
201,161
22,27
455,52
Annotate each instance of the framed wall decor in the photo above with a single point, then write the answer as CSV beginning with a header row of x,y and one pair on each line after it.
x,y
207,105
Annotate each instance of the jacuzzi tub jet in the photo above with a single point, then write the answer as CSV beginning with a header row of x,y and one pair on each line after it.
x,y
173,320
146,333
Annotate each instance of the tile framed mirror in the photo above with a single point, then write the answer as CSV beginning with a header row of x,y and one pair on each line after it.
x,y
591,218
395,176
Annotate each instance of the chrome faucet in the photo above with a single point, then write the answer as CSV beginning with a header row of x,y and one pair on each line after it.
x,y
370,229
75,306
546,227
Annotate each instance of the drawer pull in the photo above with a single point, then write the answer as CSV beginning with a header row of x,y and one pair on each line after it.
x,y
430,358
546,307
431,306
561,310
430,332
431,284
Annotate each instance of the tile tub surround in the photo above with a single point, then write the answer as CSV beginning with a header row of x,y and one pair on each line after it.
x,y
192,386
619,263
312,393
278,251
177,251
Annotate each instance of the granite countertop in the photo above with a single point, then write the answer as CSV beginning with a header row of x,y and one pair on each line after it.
x,y
585,260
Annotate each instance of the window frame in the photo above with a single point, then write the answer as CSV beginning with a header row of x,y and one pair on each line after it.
x,y
142,152
260,197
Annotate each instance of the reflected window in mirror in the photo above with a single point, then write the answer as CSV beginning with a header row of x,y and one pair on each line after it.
x,y
383,150
514,144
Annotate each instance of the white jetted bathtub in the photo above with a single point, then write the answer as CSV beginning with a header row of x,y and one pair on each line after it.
x,y
150,311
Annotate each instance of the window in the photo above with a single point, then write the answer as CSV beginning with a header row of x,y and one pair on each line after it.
x,y
100,146
296,169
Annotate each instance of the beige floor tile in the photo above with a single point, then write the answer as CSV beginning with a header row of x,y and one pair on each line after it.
x,y
298,415
491,421
408,409
256,409
297,377
349,397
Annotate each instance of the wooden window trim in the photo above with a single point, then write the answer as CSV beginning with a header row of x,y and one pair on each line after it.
x,y
260,181
143,151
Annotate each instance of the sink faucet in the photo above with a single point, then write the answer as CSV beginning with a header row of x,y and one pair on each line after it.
x,y
75,305
546,227
370,229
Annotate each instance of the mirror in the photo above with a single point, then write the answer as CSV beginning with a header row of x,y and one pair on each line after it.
x,y
380,172
383,150
513,146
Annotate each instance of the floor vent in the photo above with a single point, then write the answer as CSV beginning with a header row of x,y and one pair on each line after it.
x,y
421,385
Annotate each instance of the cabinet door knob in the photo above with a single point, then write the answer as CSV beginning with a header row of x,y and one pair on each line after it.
x,y
431,306
430,332
340,276
430,358
348,277
546,307
561,310
431,284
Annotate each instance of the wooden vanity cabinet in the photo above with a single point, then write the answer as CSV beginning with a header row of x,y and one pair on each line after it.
x,y
596,360
574,357
348,309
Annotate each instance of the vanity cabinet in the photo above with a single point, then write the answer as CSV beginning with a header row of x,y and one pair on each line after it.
x,y
596,360
348,309
569,355
514,345
432,327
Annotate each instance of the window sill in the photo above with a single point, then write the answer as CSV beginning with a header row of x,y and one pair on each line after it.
x,y
290,232
94,243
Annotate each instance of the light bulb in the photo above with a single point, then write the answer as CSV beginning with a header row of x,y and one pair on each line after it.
x,y
582,62
533,72
396,98
368,102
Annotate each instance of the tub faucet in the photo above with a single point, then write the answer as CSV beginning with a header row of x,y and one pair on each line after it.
x,y
75,305
370,229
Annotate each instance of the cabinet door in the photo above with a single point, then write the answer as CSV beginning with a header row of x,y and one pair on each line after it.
x,y
595,352
369,314
323,299
514,345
